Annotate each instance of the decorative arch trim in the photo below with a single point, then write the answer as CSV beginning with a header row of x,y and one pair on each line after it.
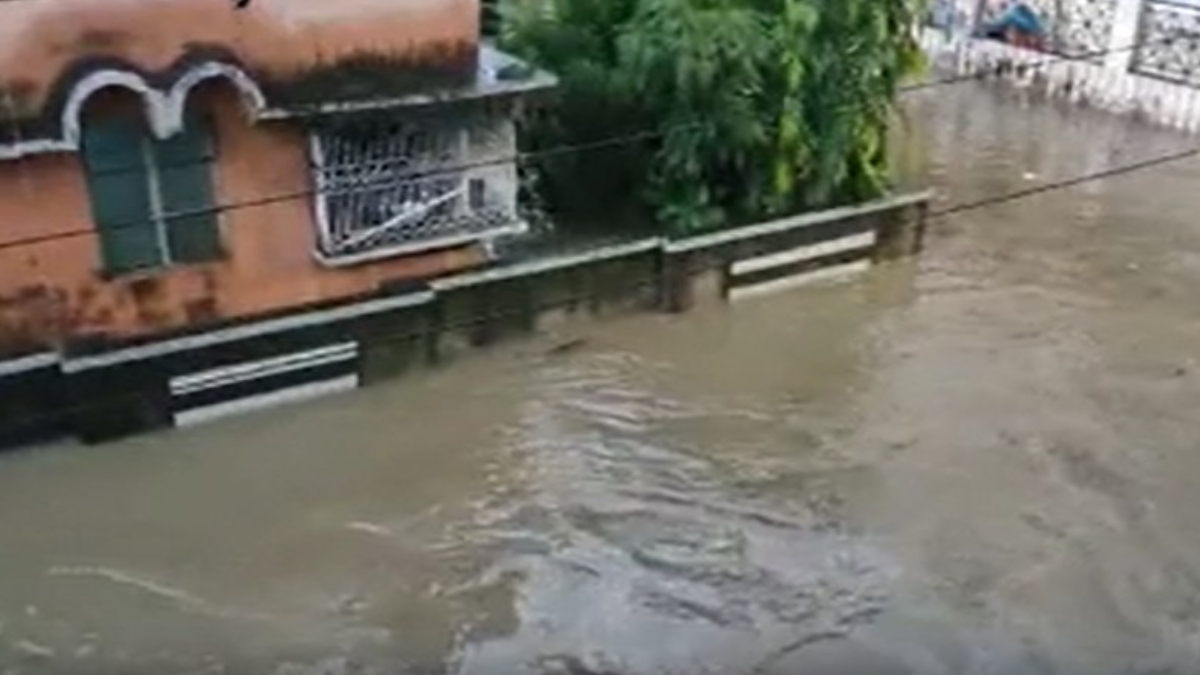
x,y
72,112
164,109
250,93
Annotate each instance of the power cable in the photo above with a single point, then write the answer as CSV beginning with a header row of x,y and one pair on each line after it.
x,y
1053,59
693,269
613,141
1068,183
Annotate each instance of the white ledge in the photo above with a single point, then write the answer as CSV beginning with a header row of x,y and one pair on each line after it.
x,y
25,364
488,83
409,248
803,220
244,331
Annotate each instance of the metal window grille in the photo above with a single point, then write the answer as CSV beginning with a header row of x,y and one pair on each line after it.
x,y
1084,26
1169,42
399,187
1072,27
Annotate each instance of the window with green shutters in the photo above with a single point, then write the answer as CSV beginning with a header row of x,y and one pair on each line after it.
x,y
152,200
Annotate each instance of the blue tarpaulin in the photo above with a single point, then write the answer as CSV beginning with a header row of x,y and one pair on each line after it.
x,y
1018,17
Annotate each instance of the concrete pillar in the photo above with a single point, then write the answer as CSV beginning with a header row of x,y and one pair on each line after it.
x,y
972,15
675,289
900,233
1124,35
97,416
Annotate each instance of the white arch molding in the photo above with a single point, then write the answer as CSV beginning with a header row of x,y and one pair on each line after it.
x,y
164,109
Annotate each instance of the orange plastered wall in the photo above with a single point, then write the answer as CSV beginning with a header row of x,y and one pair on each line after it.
x,y
52,288
39,38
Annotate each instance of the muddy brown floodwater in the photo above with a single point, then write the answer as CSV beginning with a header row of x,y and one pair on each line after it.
x,y
985,461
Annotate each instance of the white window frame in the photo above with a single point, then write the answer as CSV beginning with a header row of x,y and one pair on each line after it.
x,y
327,245
157,213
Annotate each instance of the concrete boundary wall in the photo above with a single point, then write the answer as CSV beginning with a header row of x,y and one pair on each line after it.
x,y
119,389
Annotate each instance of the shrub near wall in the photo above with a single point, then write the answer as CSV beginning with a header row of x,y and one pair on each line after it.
x,y
758,108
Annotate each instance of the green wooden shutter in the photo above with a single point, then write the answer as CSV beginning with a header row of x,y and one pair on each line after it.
x,y
120,194
185,185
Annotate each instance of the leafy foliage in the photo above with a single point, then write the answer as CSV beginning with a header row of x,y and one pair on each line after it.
x,y
756,107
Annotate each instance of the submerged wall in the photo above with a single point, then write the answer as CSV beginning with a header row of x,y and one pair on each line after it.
x,y
120,388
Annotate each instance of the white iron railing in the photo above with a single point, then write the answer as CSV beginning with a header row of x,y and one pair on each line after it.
x,y
403,188
1169,41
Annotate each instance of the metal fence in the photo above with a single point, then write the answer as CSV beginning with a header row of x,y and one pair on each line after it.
x,y
1131,56
1072,27
1169,41
1084,26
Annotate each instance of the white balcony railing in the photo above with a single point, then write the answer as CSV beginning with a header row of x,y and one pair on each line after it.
x,y
403,189
1169,41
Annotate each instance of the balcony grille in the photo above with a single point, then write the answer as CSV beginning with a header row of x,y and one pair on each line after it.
x,y
1169,42
402,187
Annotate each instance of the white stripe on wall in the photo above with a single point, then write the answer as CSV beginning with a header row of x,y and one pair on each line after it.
x,y
824,274
303,392
28,363
809,252
801,221
241,372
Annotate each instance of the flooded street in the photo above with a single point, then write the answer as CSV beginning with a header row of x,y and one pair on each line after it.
x,y
986,460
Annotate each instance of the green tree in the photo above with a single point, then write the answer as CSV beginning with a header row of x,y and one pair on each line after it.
x,y
757,107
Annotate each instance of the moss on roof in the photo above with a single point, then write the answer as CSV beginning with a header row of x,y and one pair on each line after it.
x,y
368,75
